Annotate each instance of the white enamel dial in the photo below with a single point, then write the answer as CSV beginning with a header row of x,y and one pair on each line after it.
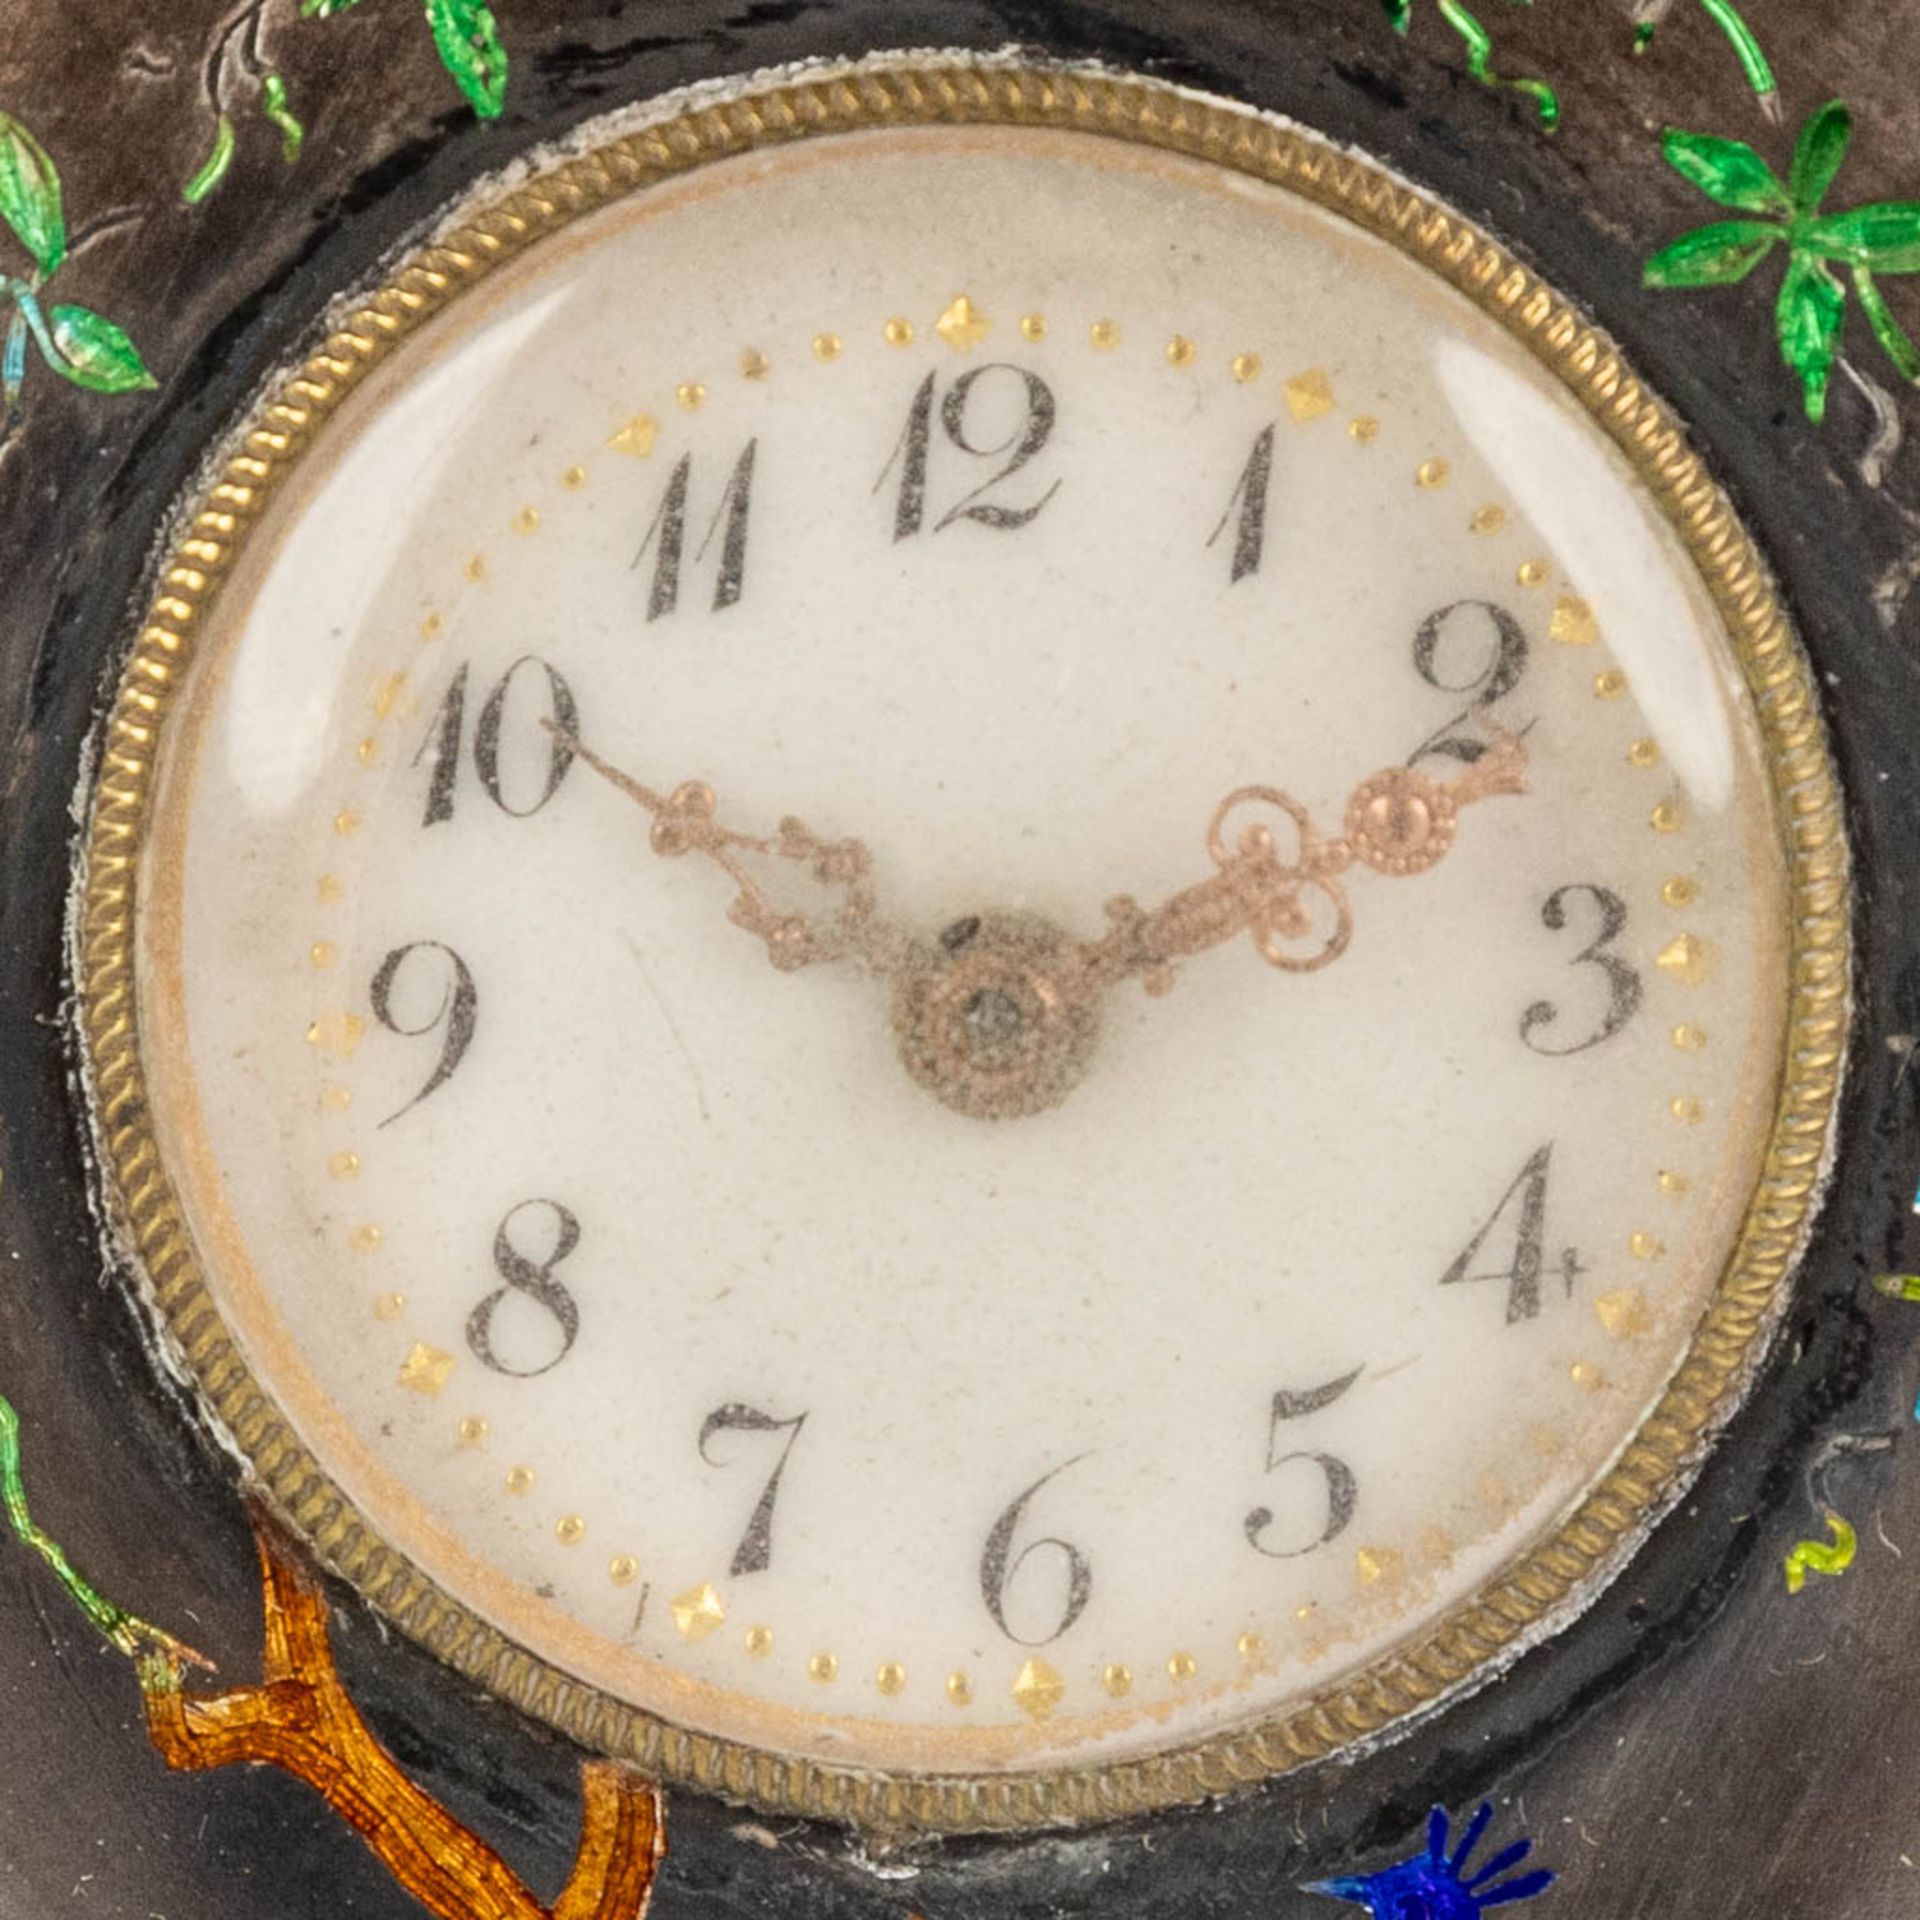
x,y
848,1289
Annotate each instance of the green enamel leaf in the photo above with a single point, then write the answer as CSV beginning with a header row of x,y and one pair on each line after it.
x,y
1817,157
1807,320
1712,256
470,48
1399,14
1884,236
324,9
30,195
1725,170
1893,339
93,353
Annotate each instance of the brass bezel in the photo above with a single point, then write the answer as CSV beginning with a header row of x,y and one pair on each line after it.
x,y
1490,1629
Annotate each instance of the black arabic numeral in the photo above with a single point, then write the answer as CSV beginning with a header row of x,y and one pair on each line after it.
x,y
666,536
1526,1201
525,1278
910,450
565,717
735,504
1025,438
1623,982
1247,509
457,1010
755,1551
1000,1567
1336,1479
1493,668
444,737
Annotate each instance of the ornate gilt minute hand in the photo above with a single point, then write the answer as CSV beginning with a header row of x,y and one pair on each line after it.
x,y
997,1015
1397,822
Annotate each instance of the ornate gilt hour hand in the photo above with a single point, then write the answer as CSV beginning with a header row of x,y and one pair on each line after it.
x,y
997,1015
683,823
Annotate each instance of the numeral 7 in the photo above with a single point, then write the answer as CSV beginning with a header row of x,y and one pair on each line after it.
x,y
755,1551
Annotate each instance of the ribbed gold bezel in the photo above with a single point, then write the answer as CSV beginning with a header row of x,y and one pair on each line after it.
x,y
1650,1474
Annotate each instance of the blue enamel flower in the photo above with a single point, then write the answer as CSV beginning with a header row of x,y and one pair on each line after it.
x,y
1434,1886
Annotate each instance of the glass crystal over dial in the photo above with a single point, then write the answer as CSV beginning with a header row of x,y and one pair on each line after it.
x,y
964,952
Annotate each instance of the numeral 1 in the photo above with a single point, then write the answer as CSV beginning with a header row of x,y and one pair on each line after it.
x,y
1247,509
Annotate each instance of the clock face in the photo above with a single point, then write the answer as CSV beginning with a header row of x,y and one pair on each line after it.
x,y
963,952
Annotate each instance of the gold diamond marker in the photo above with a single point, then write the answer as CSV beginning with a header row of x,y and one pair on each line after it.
x,y
425,1369
636,437
1687,957
1375,1564
1623,1313
963,325
1573,624
699,1611
1308,395
1038,1689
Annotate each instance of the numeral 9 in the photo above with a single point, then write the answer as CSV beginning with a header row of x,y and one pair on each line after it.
x,y
458,1011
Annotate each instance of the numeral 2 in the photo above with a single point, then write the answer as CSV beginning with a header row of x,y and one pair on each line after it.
x,y
1503,662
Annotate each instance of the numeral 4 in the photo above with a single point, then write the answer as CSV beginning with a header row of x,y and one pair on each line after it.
x,y
1520,1222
